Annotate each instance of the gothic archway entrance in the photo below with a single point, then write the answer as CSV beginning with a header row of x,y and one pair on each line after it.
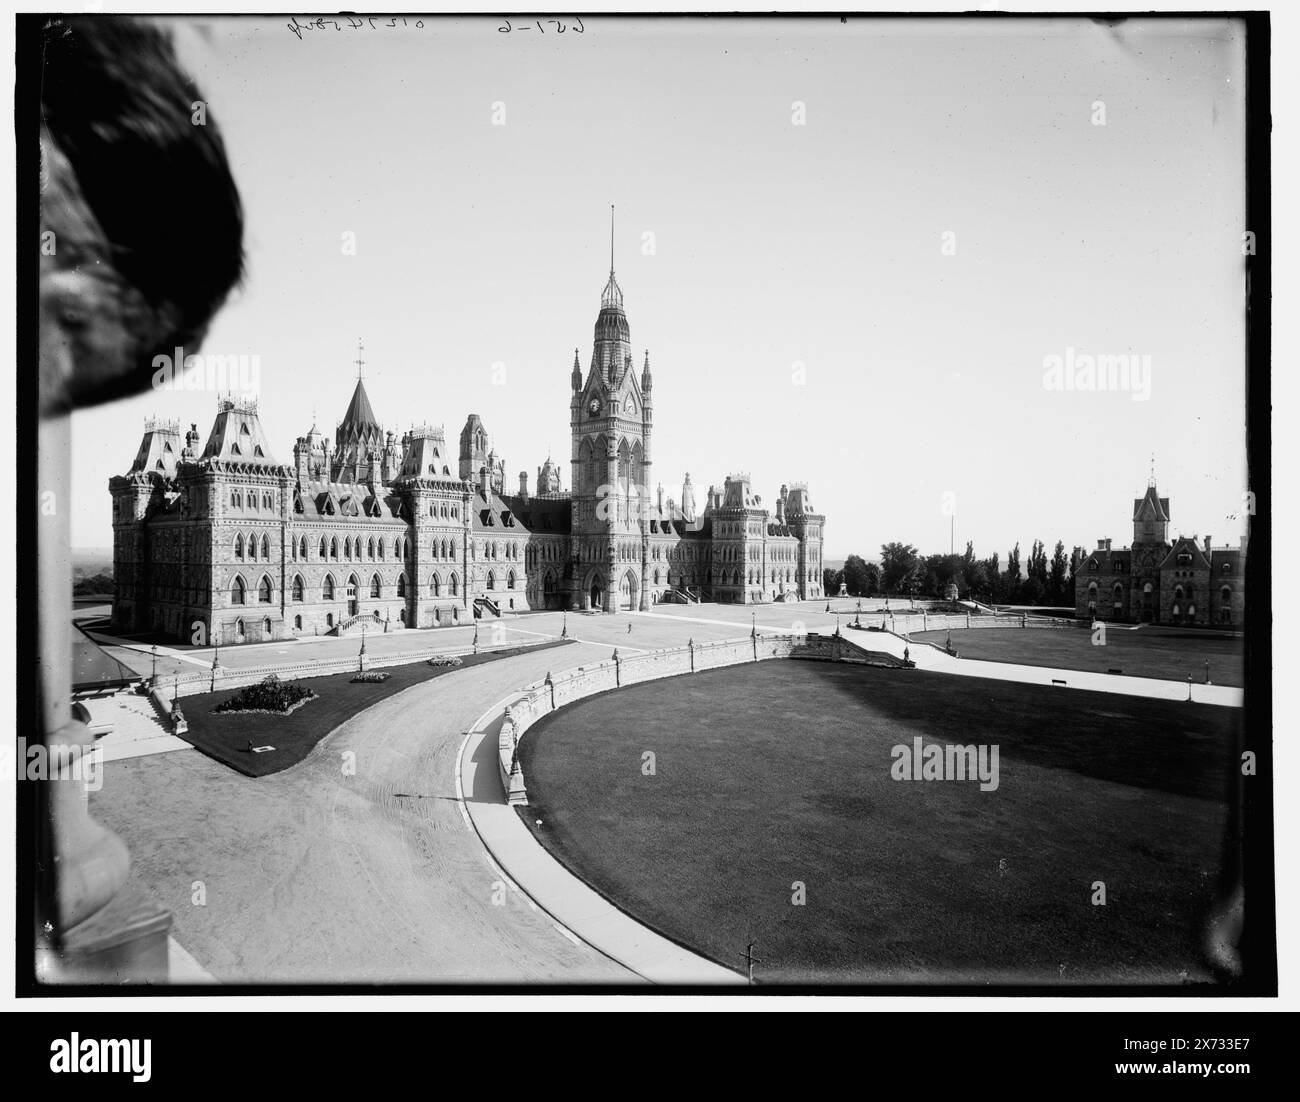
x,y
596,602
352,595
549,599
627,591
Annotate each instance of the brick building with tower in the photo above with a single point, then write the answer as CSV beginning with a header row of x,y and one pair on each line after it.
x,y
1157,580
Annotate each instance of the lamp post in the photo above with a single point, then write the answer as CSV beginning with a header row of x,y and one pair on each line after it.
x,y
212,686
753,624
1207,671
153,670
564,628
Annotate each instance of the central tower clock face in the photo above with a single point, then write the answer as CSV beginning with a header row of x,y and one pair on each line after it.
x,y
594,406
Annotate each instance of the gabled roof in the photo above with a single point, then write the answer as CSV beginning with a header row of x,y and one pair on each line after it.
x,y
1182,546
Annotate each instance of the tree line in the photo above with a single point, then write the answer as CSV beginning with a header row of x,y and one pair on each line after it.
x,y
902,570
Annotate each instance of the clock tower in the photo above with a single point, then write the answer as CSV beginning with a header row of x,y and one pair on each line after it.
x,y
611,414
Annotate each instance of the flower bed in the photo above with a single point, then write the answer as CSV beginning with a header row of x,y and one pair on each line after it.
x,y
444,660
372,676
268,695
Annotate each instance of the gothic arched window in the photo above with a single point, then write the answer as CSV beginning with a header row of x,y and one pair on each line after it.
x,y
264,590
327,587
453,584
266,548
237,591
374,586
297,587
239,546
401,585
434,586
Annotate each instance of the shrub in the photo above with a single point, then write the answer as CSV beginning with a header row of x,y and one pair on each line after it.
x,y
268,695
371,676
444,660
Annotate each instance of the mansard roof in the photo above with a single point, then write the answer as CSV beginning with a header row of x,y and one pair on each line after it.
x,y
237,435
351,501
495,514
546,516
159,450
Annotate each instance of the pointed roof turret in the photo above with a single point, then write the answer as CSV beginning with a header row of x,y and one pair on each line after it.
x,y
360,420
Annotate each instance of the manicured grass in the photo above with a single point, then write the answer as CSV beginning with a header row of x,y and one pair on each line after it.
x,y
778,773
226,737
1147,651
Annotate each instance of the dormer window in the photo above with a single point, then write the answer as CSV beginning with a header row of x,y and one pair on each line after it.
x,y
1227,568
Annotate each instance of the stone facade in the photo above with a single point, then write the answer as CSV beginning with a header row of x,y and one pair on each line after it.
x,y
222,543
1160,581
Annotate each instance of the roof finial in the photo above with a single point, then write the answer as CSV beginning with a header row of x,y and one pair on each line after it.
x,y
359,361
611,239
1152,480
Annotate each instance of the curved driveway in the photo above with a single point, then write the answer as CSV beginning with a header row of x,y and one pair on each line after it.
x,y
315,875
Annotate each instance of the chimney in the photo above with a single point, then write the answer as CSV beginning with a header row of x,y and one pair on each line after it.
x,y
1101,545
523,485
1108,545
485,482
1207,544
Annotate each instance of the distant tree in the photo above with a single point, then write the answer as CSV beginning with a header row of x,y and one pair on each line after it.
x,y
900,567
831,581
994,590
1038,565
1056,577
861,579
1031,592
1013,573
93,585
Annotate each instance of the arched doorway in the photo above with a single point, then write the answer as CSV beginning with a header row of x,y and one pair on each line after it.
x,y
597,601
352,595
627,591
548,591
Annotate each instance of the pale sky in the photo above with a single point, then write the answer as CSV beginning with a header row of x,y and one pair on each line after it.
x,y
774,245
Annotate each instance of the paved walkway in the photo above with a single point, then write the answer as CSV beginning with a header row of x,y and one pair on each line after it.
x,y
318,875
579,908
930,658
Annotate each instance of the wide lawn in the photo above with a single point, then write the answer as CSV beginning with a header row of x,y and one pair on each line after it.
x,y
772,782
227,736
1145,651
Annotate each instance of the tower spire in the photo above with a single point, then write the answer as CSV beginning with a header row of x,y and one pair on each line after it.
x,y
1151,480
359,361
611,241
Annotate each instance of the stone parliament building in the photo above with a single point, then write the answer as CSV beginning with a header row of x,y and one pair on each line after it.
x,y
221,543
1160,581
